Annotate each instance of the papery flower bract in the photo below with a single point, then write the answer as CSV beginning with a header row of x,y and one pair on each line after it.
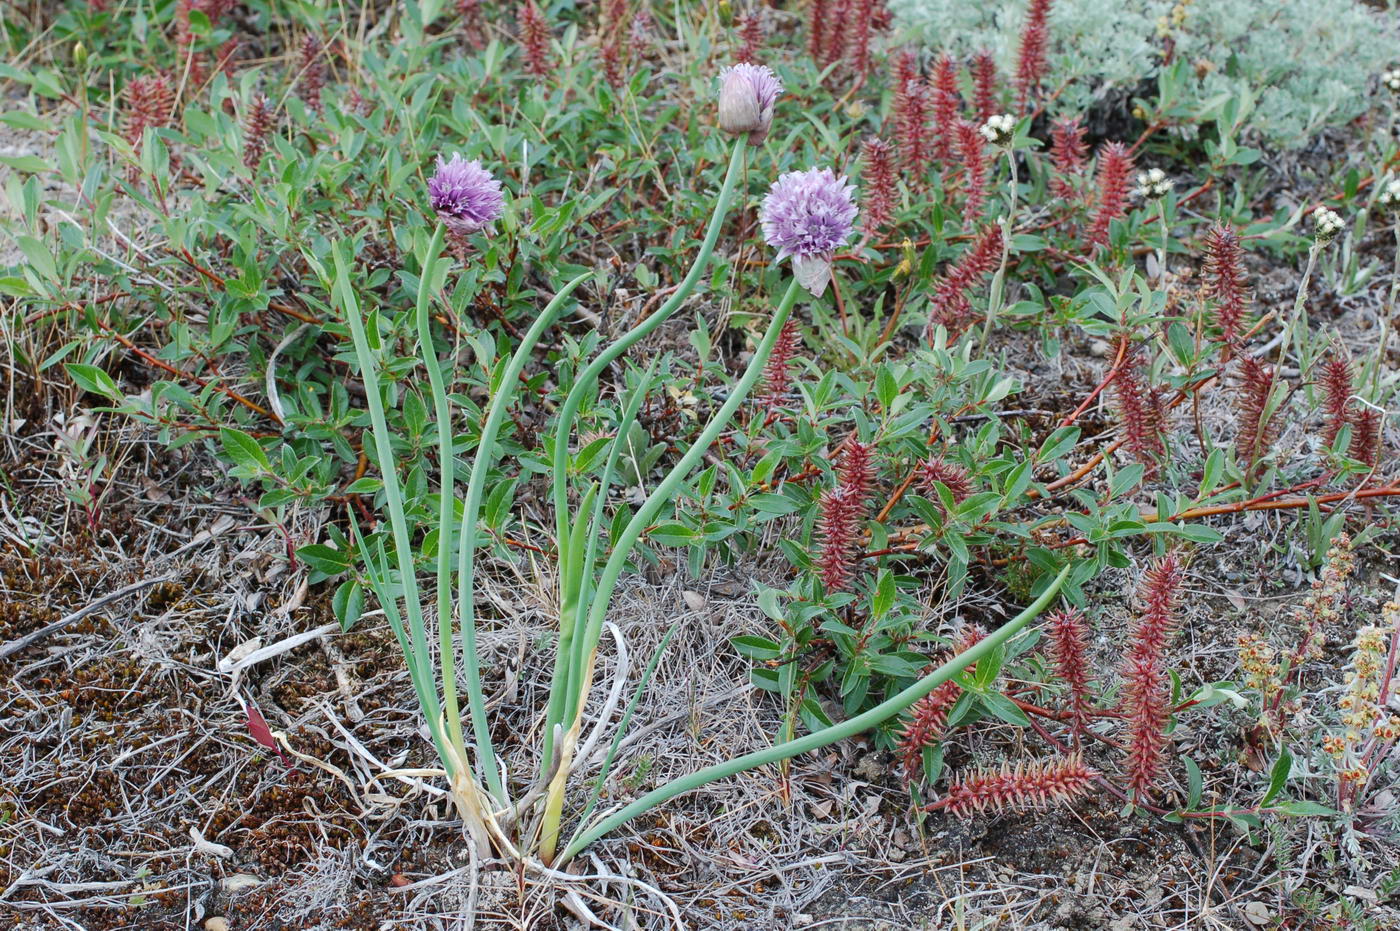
x,y
1390,195
465,195
999,129
747,94
809,215
1153,184
1327,223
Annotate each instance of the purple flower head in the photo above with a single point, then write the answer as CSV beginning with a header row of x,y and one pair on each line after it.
x,y
809,215
746,97
465,195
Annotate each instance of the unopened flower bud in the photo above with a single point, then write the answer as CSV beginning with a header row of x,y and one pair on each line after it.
x,y
1390,80
747,95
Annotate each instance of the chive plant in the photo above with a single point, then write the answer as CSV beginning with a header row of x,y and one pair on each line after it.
x,y
806,216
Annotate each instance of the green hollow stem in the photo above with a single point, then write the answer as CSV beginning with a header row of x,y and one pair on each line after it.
x,y
393,497
564,429
666,489
447,656
466,551
584,647
848,728
596,526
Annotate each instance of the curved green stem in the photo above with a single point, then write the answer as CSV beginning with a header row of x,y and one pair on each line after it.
x,y
580,669
466,553
393,499
442,411
564,429
848,728
664,492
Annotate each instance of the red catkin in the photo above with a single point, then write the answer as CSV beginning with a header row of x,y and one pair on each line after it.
x,y
1067,151
904,67
613,15
256,127
1140,410
936,469
640,31
311,71
911,103
950,305
834,32
972,149
816,27
149,102
1146,695
190,61
860,22
472,26
1225,282
838,530
777,374
1017,787
984,85
1257,432
929,715
877,176
1365,446
947,107
928,719
227,55
611,54
1030,62
842,510
1336,395
1069,648
534,36
1114,165
857,472
751,31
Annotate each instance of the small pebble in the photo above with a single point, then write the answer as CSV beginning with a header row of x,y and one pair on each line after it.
x,y
216,924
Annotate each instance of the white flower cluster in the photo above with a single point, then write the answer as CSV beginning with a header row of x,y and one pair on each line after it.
x,y
1390,195
1153,184
1390,80
1327,223
999,130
